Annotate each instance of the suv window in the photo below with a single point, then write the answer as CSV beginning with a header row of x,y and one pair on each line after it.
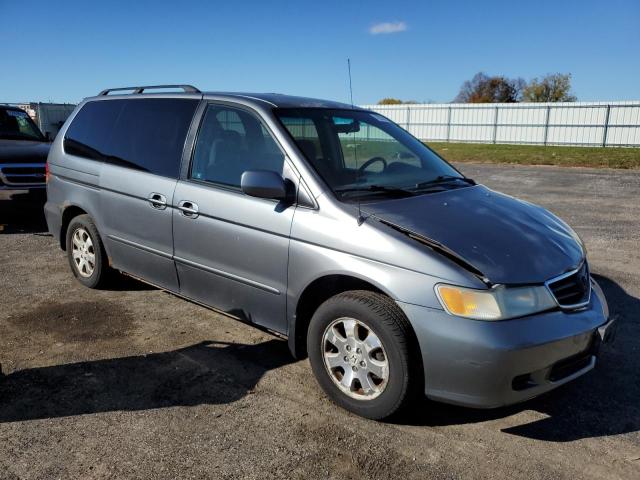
x,y
143,134
231,141
17,125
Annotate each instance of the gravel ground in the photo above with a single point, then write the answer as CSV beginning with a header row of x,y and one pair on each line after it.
x,y
136,383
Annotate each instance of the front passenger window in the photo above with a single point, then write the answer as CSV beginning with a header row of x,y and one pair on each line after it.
x,y
231,141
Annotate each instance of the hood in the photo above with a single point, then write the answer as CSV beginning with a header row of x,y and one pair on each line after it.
x,y
23,151
508,240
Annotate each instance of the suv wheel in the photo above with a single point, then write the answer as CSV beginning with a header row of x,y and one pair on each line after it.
x,y
359,349
86,253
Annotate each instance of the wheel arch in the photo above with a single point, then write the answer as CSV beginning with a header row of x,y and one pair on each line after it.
x,y
313,295
69,213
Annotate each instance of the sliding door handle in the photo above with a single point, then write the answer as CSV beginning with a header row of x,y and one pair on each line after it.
x,y
188,209
157,201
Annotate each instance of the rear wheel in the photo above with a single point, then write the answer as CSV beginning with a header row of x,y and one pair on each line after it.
x,y
359,346
86,253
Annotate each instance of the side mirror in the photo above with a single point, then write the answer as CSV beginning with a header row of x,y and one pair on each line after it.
x,y
263,184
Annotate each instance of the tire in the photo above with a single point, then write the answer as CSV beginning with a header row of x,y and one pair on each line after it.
x,y
375,396
94,272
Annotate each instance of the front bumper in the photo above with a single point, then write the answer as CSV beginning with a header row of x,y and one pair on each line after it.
x,y
491,364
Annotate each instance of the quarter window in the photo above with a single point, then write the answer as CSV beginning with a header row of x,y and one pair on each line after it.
x,y
142,134
230,142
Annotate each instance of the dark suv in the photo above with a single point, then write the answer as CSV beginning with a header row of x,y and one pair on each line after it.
x,y
23,151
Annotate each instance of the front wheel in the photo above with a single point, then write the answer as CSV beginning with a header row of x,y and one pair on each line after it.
x,y
360,349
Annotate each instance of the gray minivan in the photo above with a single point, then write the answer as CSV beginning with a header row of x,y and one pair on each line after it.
x,y
327,223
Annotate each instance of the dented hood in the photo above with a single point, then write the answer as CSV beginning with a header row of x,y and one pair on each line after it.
x,y
508,240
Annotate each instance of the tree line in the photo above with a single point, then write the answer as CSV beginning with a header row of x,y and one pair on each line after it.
x,y
482,88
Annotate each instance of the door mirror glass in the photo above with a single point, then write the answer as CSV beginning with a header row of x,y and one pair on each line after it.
x,y
263,184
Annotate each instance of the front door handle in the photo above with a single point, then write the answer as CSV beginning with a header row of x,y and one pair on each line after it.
x,y
188,208
157,201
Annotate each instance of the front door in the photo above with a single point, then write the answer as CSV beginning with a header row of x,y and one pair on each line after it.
x,y
231,250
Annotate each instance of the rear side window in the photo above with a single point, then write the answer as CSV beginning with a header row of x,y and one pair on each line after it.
x,y
143,134
89,133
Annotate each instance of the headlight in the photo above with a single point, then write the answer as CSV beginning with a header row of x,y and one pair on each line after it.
x,y
499,303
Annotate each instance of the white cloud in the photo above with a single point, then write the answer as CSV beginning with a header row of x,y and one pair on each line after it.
x,y
387,27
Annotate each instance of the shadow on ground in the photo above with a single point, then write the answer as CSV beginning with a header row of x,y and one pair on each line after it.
x,y
603,402
120,282
22,213
205,373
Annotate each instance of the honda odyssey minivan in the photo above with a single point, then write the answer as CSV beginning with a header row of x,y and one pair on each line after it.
x,y
397,275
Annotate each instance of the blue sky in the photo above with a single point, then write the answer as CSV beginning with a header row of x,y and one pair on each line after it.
x,y
422,50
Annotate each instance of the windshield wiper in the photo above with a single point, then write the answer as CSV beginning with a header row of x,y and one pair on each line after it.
x,y
396,191
442,179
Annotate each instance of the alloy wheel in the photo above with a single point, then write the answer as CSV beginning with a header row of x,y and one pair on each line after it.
x,y
355,358
84,255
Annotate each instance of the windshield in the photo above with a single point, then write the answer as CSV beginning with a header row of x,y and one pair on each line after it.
x,y
360,153
17,125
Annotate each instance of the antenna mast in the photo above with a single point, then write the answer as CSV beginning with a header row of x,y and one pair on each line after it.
x,y
350,87
361,219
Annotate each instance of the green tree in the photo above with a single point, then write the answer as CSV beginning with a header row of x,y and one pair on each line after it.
x,y
554,87
485,89
396,101
390,101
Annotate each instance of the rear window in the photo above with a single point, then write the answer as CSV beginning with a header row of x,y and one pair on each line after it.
x,y
143,134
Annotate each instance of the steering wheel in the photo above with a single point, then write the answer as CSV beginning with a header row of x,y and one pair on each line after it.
x,y
370,162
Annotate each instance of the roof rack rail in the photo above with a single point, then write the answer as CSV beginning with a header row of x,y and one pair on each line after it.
x,y
142,88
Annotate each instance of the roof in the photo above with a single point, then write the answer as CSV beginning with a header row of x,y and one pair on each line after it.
x,y
274,99
10,107
284,101
277,100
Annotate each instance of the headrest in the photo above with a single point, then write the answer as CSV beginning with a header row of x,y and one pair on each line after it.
x,y
232,136
308,148
9,124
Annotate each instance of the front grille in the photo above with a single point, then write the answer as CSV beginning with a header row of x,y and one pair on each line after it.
x,y
571,365
25,174
568,367
573,289
22,170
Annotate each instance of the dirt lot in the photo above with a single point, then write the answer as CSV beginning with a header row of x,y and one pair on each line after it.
x,y
136,383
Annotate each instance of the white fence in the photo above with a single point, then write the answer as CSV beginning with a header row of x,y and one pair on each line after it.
x,y
603,124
